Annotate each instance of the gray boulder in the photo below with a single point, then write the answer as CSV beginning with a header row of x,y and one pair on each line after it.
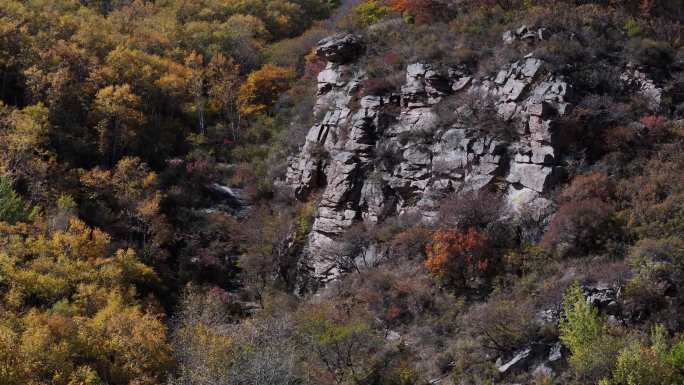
x,y
533,176
638,80
518,359
604,297
340,48
525,34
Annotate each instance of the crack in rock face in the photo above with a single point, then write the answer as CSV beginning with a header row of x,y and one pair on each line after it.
x,y
369,167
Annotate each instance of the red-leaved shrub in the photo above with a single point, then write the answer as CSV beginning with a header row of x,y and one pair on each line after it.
x,y
455,256
584,221
587,186
421,11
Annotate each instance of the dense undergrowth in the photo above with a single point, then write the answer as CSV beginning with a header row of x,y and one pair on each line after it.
x,y
116,267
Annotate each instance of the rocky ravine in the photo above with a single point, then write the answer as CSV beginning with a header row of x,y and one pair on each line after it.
x,y
377,156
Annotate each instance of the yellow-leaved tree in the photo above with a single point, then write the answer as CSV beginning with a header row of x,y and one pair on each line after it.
x,y
262,87
118,116
72,314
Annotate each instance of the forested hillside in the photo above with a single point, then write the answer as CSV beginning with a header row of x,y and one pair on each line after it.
x,y
376,192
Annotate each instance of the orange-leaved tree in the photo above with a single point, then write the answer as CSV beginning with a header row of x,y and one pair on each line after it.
x,y
454,256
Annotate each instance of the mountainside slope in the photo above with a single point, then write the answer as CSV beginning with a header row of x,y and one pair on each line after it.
x,y
444,131
353,192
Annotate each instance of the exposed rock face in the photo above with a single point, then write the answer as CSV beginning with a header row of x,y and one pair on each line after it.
x,y
636,79
523,33
517,359
341,48
603,297
540,357
381,155
337,84
233,199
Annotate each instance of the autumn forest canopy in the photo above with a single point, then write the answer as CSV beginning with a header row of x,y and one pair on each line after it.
x,y
150,231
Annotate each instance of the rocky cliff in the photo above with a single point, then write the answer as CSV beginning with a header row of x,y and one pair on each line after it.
x,y
445,131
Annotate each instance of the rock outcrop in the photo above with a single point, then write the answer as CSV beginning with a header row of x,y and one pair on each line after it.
x,y
538,358
375,156
231,199
523,33
635,79
340,48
